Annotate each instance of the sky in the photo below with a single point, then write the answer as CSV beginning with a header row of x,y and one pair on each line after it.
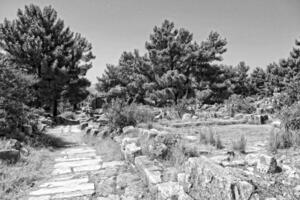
x,y
257,31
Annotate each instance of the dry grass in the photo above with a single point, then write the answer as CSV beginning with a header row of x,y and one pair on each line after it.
x,y
210,136
240,145
17,179
280,139
107,148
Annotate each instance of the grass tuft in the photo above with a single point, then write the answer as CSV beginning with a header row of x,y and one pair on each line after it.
x,y
240,145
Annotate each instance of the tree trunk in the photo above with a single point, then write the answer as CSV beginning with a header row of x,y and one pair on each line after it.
x,y
74,107
54,108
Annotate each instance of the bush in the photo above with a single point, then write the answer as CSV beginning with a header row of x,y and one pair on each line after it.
x,y
290,117
212,138
120,114
240,145
238,104
283,139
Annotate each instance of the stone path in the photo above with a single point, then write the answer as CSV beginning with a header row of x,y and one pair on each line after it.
x,y
79,173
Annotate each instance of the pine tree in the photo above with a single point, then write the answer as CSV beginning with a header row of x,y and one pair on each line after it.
x,y
38,43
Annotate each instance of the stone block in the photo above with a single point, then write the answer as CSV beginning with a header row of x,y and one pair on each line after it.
x,y
170,191
207,180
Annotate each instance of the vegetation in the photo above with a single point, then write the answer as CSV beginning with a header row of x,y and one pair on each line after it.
x,y
211,137
120,114
37,43
16,179
240,145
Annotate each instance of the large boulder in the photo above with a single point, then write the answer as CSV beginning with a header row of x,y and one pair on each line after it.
x,y
205,179
264,163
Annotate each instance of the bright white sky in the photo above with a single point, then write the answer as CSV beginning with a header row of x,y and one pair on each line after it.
x,y
258,31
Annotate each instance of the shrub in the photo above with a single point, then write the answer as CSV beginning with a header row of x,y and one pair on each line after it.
x,y
120,114
184,106
211,137
238,104
240,145
290,117
283,139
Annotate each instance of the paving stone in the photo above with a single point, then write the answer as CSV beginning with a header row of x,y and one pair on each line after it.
x,y
73,194
113,164
78,151
65,182
77,163
87,168
67,159
60,171
110,197
47,197
66,188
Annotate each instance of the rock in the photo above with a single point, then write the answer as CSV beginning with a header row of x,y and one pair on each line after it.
x,y
276,123
13,144
234,163
128,140
266,164
194,149
151,173
102,119
291,172
251,159
186,116
106,186
239,116
94,131
65,121
170,191
131,151
297,191
88,130
130,130
11,155
207,180
126,179
220,158
41,127
194,117
83,125
170,174
46,121
104,131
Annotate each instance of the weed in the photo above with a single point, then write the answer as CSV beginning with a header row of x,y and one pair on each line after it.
x,y
240,145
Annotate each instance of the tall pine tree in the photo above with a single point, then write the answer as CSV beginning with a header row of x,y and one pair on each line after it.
x,y
38,43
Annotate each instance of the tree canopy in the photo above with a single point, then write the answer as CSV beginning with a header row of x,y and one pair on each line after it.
x,y
38,43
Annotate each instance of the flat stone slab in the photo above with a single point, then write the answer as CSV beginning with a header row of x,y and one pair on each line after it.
x,y
47,197
68,159
78,150
113,164
60,171
64,189
66,182
77,163
73,194
87,168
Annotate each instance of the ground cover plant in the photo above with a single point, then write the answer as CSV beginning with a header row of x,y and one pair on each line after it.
x,y
17,179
